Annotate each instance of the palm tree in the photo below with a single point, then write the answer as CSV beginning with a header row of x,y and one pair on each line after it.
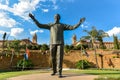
x,y
95,35
100,35
92,35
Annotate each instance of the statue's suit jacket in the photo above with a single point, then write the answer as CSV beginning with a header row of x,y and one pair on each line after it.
x,y
56,31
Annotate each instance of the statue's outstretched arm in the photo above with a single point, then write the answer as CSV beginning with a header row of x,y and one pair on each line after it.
x,y
45,26
68,27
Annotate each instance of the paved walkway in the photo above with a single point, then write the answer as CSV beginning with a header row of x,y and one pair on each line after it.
x,y
47,76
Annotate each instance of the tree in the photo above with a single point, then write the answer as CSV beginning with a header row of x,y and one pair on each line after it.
x,y
4,37
15,47
66,48
100,35
92,34
116,43
44,47
95,35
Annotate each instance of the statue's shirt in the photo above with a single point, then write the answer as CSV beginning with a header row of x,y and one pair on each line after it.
x,y
56,34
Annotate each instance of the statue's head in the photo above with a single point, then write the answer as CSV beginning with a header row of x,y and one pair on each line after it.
x,y
57,17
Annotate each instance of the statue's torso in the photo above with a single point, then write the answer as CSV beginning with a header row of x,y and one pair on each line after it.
x,y
56,34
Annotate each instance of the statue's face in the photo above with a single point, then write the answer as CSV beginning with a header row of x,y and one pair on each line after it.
x,y
57,17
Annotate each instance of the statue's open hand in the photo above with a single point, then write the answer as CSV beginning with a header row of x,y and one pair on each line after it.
x,y
82,20
30,15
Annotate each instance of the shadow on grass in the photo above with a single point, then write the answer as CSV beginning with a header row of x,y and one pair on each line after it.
x,y
3,71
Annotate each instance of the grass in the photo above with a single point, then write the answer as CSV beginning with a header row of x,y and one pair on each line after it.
x,y
8,74
103,74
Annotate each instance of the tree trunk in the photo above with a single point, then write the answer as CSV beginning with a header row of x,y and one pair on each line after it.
x,y
11,61
94,47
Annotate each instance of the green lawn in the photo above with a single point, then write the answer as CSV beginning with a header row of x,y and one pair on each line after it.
x,y
104,74
101,73
7,74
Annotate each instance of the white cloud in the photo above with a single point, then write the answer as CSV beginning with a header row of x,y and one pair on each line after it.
x,y
45,10
36,31
41,31
55,7
6,21
115,31
16,31
54,1
22,8
84,26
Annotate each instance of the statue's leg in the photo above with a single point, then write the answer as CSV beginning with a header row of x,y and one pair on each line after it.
x,y
60,53
53,51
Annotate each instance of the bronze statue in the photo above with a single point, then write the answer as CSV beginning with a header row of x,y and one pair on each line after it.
x,y
56,40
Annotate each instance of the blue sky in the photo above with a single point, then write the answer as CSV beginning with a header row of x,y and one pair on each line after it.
x,y
103,14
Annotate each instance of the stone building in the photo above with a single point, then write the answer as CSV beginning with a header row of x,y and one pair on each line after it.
x,y
109,45
74,39
22,41
34,39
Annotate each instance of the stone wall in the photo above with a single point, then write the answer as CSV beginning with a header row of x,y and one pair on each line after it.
x,y
107,61
41,60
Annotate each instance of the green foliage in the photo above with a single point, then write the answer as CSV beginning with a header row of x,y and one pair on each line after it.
x,y
96,35
23,46
71,47
116,56
34,47
15,45
26,64
29,46
83,64
116,43
67,48
44,47
78,47
39,47
102,46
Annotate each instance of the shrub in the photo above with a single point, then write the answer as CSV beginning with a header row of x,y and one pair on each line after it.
x,y
66,48
44,47
83,64
29,46
78,47
24,64
34,47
